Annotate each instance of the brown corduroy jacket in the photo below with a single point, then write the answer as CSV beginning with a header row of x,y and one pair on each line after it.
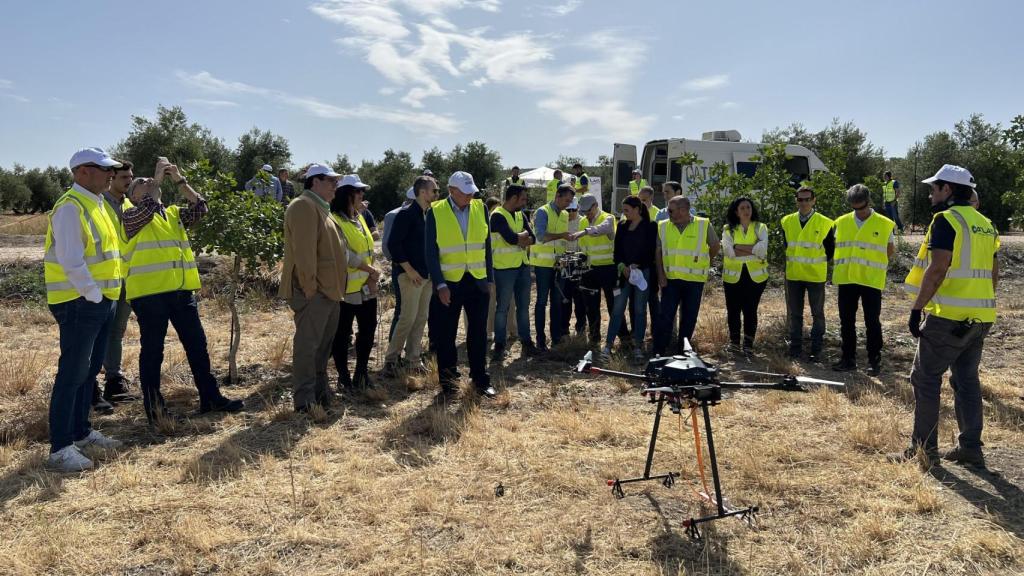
x,y
315,254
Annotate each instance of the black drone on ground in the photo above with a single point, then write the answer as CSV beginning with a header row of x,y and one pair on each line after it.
x,y
685,381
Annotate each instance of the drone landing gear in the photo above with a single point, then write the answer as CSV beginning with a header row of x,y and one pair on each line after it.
x,y
668,479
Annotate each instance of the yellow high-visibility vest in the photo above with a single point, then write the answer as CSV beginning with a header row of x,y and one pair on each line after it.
x,y
102,252
122,238
545,254
634,186
862,253
160,258
458,254
514,181
967,293
505,256
360,241
552,190
652,211
732,267
805,250
600,249
579,181
685,255
889,191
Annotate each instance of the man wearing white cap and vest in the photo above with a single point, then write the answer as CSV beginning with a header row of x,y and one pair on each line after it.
x,y
160,284
810,244
83,273
954,281
864,244
596,238
458,252
313,280
551,225
573,303
265,185
686,245
638,183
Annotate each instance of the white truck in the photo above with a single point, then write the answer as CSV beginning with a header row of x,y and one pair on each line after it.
x,y
659,163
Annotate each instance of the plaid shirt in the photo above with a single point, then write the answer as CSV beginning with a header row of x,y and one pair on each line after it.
x,y
289,191
136,217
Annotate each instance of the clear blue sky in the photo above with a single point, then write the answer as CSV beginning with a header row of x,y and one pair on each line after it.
x,y
533,79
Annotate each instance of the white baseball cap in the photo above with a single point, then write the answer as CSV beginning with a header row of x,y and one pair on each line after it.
x,y
637,171
574,205
93,156
267,168
410,193
954,174
464,182
352,180
321,170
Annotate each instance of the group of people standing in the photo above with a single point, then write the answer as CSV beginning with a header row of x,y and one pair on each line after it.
x,y
111,247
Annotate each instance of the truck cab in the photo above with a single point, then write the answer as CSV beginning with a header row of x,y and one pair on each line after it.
x,y
659,162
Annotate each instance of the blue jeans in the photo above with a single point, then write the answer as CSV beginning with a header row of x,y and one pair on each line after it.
x,y
84,329
639,311
181,310
892,210
112,362
508,283
684,295
549,285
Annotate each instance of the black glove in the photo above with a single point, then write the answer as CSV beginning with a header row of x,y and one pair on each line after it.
x,y
915,323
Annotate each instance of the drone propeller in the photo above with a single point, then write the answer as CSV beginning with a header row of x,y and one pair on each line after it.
x,y
585,364
799,379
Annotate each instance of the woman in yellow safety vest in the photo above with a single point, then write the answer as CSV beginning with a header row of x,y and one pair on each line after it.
x,y
744,270
360,301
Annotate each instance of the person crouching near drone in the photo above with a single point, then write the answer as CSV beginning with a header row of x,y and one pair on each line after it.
x,y
511,236
161,284
635,244
954,279
686,245
744,270
551,225
596,238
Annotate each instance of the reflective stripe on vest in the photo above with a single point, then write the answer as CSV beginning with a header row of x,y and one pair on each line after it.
x,y
685,255
544,254
459,254
805,252
100,251
732,268
360,241
967,292
600,250
160,258
862,255
505,256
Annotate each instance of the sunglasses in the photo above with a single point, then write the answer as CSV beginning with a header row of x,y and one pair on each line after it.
x,y
98,167
804,199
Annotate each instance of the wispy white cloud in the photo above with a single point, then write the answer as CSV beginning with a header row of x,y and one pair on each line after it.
x,y
6,84
563,9
728,105
428,58
691,102
17,98
209,103
708,82
416,121
679,117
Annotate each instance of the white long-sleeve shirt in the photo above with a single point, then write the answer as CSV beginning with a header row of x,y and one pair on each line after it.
x,y
69,248
760,247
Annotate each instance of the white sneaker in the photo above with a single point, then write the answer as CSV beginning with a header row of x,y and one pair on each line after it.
x,y
68,459
96,438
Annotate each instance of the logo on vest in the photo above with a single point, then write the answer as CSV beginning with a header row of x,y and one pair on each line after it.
x,y
981,230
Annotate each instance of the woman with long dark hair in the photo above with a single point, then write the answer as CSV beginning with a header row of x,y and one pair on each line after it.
x,y
635,244
744,269
360,301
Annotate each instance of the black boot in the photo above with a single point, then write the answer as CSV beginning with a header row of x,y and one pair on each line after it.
x,y
100,405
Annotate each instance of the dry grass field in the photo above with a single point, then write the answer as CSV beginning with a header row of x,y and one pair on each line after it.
x,y
391,484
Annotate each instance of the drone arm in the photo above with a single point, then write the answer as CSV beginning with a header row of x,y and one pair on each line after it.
x,y
780,385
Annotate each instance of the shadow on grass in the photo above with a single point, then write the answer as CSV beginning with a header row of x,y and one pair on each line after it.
x,y
414,437
990,491
676,554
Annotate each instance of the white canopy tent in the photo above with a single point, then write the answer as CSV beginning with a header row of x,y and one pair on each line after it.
x,y
540,176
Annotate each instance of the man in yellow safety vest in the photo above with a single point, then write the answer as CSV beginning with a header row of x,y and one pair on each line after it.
x,y
552,188
161,283
954,280
458,254
551,226
596,238
83,275
891,196
637,183
810,244
864,244
514,179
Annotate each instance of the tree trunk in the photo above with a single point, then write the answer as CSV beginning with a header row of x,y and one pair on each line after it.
x,y
236,328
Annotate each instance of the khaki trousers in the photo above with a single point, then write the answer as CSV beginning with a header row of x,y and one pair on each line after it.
x,y
411,320
316,321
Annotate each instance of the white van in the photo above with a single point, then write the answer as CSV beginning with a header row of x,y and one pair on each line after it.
x,y
659,165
